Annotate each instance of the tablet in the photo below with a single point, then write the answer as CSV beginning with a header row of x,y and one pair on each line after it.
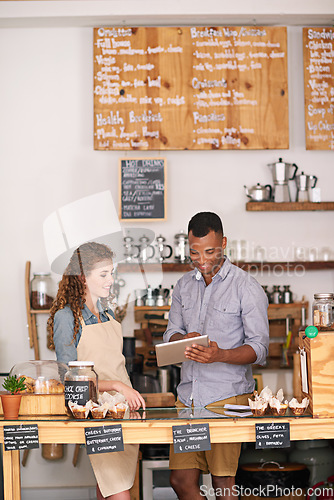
x,y
170,353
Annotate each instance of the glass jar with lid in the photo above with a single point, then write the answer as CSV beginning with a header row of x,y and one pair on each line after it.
x,y
81,383
41,291
322,310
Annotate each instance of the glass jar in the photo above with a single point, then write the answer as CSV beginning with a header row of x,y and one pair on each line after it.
x,y
322,310
81,383
41,291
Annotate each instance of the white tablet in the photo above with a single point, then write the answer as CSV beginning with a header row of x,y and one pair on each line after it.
x,y
170,353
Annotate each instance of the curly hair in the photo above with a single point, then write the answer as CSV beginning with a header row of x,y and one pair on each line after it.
x,y
72,287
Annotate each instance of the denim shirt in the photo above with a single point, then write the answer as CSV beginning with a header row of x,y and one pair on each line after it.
x,y
232,311
65,346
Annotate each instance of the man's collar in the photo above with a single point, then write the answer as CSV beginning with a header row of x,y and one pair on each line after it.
x,y
222,273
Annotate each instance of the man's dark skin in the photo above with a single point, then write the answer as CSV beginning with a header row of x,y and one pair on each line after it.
x,y
207,255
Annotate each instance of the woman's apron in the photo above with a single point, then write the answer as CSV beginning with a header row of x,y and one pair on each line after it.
x,y
103,344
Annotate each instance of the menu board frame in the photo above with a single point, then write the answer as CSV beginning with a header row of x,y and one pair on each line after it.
x,y
162,205
190,88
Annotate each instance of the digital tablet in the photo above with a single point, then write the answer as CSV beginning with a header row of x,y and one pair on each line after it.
x,y
170,353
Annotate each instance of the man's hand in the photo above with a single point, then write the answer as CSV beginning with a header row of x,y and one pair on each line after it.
x,y
201,354
179,336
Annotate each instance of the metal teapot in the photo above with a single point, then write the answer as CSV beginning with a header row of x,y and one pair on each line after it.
x,y
259,193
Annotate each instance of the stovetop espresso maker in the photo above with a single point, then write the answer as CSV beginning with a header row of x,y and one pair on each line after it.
x,y
282,173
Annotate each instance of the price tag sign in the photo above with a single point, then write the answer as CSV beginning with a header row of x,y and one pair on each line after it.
x,y
77,392
20,437
105,439
187,438
275,435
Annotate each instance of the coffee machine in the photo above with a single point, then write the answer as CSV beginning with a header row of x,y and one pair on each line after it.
x,y
282,173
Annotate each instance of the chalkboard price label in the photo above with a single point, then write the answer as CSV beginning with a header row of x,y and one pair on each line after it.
x,y
105,439
21,437
187,438
274,435
77,392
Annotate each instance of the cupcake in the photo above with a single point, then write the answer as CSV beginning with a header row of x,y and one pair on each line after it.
x,y
277,407
298,408
78,411
117,411
99,411
258,406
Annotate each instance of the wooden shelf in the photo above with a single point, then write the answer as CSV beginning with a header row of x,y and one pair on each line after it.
x,y
299,206
174,267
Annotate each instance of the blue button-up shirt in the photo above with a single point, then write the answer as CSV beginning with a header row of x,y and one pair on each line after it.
x,y
232,311
66,347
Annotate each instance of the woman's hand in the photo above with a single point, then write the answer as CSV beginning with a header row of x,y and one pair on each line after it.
x,y
133,397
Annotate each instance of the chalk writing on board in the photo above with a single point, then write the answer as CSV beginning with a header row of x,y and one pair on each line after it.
x,y
142,182
319,87
190,88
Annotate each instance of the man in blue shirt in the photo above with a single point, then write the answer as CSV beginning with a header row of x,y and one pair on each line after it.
x,y
227,304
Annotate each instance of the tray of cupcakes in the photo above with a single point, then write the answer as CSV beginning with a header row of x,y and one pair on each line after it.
x,y
108,406
267,403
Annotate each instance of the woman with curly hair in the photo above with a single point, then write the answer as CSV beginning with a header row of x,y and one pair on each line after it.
x,y
82,329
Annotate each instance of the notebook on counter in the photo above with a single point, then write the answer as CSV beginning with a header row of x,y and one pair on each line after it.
x,y
170,353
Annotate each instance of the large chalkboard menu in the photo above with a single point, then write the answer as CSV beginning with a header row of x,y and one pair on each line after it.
x,y
319,87
142,188
193,88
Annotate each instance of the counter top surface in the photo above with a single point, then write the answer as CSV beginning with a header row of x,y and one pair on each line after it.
x,y
152,414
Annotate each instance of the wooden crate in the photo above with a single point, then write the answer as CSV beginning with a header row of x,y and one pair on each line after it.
x,y
41,404
320,372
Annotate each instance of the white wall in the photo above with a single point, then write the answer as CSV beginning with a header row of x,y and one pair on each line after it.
x,y
47,160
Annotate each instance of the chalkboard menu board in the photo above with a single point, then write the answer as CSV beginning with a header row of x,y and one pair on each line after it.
x,y
193,88
273,435
142,188
20,437
104,439
319,87
188,438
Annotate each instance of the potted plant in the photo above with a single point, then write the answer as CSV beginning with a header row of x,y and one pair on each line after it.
x,y
11,400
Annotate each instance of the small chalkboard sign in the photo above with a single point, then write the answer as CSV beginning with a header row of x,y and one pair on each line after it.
x,y
274,435
77,391
142,189
187,438
105,439
21,437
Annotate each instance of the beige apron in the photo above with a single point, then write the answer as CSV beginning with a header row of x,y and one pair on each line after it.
x,y
103,343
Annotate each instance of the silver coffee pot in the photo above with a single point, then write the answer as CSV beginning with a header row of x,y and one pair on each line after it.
x,y
304,183
181,247
162,248
144,249
131,251
282,173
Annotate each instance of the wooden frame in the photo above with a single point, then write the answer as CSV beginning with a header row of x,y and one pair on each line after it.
x,y
164,190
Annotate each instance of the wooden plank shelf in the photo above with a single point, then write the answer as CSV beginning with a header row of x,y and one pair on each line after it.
x,y
298,206
174,267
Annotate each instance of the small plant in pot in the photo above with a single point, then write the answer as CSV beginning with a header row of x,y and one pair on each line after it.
x,y
12,398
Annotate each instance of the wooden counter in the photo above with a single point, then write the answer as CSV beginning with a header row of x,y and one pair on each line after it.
x,y
151,430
